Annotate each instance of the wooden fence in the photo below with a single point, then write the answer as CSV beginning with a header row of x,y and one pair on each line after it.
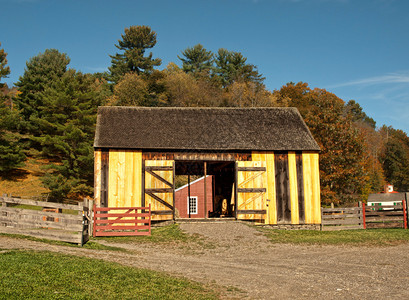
x,y
342,218
378,216
386,216
55,221
122,221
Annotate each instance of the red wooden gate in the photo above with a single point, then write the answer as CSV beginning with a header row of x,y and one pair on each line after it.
x,y
122,221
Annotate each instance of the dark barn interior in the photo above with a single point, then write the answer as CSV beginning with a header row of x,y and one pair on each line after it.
x,y
223,189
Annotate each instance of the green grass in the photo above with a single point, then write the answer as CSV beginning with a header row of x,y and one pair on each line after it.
x,y
89,245
166,234
171,236
360,237
45,275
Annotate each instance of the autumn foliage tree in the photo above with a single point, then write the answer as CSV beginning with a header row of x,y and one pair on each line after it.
x,y
249,94
185,89
342,162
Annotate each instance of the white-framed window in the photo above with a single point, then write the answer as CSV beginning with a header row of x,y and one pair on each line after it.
x,y
192,205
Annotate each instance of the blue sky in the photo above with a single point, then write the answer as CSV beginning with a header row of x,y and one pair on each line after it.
x,y
357,49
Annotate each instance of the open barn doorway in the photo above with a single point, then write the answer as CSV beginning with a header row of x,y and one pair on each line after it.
x,y
204,189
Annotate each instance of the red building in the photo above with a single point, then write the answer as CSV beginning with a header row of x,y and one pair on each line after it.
x,y
196,203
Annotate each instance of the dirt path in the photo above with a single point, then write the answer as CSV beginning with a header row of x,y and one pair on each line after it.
x,y
237,255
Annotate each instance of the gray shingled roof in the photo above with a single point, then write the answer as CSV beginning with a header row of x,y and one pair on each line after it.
x,y
202,129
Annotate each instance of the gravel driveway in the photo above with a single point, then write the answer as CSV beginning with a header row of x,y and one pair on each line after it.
x,y
234,254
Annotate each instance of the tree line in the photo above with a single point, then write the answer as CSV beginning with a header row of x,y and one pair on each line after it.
x,y
51,112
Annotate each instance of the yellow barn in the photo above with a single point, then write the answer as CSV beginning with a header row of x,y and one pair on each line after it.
x,y
264,161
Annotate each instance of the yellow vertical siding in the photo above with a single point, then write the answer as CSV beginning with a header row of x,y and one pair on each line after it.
x,y
113,178
271,189
311,188
120,201
97,177
269,203
137,179
128,180
316,190
292,170
124,178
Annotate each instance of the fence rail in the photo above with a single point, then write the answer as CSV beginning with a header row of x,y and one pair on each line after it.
x,y
122,221
49,220
386,216
377,216
342,218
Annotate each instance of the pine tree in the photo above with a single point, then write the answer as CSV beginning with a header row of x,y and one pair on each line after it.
x,y
58,108
11,155
197,60
232,66
358,115
4,69
40,73
395,158
67,125
134,43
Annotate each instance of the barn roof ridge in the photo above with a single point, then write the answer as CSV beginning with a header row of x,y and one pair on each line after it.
x,y
203,128
194,107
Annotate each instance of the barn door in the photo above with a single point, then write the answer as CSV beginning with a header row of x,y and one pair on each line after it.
x,y
159,187
251,182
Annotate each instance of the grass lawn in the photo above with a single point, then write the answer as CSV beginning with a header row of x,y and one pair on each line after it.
x,y
171,234
360,237
88,245
166,234
45,275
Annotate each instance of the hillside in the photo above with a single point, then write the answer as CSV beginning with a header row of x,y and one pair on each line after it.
x,y
25,182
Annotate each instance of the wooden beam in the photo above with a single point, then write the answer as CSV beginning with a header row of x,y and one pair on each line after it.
x,y
46,234
159,190
160,178
40,203
300,187
162,212
236,195
188,193
251,178
159,168
159,199
104,177
251,190
244,212
173,188
252,198
251,169
143,184
205,190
